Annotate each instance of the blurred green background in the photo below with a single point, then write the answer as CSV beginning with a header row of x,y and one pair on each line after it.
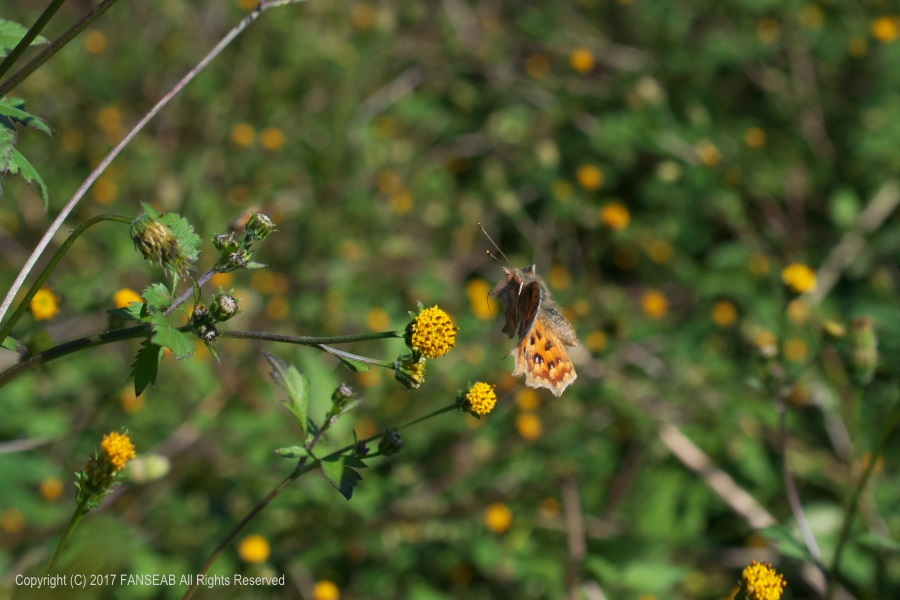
x,y
660,162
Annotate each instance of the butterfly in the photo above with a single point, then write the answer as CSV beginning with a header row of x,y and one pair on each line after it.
x,y
543,331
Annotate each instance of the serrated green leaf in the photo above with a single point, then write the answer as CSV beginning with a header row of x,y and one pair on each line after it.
x,y
151,212
296,386
8,139
169,337
213,351
292,452
337,470
11,33
13,108
11,343
157,295
18,164
132,312
184,231
146,366
786,543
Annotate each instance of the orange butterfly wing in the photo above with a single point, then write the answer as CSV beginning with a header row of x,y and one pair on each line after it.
x,y
542,357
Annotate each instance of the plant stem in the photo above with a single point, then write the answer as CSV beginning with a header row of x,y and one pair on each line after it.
x,y
309,340
187,293
80,511
853,504
25,42
23,305
301,469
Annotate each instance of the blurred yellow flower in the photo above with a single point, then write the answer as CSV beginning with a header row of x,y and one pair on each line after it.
x,y
272,139
498,517
389,182
243,134
811,16
724,313
44,305
483,306
254,549
660,251
886,29
362,15
795,350
125,296
755,138
549,508
582,60
799,310
527,398
129,401
559,277
654,304
222,280
597,340
105,190
708,153
277,308
759,264
590,177
768,31
12,520
109,118
858,46
766,343
326,590
615,216
95,41
52,488
377,319
799,277
402,202
247,4
529,426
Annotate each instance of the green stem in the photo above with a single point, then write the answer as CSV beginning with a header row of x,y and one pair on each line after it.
x,y
311,340
80,511
189,292
93,341
54,47
45,274
32,33
853,505
301,469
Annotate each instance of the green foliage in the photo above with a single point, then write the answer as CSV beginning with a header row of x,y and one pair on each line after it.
x,y
339,471
11,34
296,385
146,366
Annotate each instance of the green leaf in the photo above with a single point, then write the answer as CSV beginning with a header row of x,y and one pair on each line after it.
x,y
151,212
187,237
11,33
292,452
169,337
157,296
18,164
13,108
213,351
11,343
146,366
133,312
296,386
255,265
354,365
338,471
878,543
8,139
786,543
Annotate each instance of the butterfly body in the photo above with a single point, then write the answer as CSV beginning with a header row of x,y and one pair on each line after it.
x,y
543,331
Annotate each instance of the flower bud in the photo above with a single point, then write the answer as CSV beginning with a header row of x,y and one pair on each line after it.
x,y
391,442
259,227
410,370
224,307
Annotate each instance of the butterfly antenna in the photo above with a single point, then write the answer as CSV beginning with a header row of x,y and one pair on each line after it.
x,y
480,226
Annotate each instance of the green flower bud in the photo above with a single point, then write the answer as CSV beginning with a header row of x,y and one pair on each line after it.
x,y
259,227
391,442
224,307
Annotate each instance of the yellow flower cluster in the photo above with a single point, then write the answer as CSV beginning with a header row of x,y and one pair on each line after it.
x,y
44,305
118,448
433,333
762,582
799,277
481,399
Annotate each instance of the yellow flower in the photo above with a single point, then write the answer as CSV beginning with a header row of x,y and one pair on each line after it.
x,y
483,306
131,402
254,549
527,398
277,308
811,16
44,305
798,311
549,508
582,60
559,277
389,182
94,41
529,426
12,520
589,177
480,399
799,277
654,304
378,320
768,31
886,29
755,138
118,448
105,189
795,350
109,118
432,333
597,340
498,517
708,153
272,139
243,134
362,16
724,313
222,280
615,216
761,582
125,296
402,202
52,488
326,590
248,4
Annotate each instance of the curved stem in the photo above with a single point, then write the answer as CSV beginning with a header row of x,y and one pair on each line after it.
x,y
23,305
80,511
301,469
93,341
82,190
